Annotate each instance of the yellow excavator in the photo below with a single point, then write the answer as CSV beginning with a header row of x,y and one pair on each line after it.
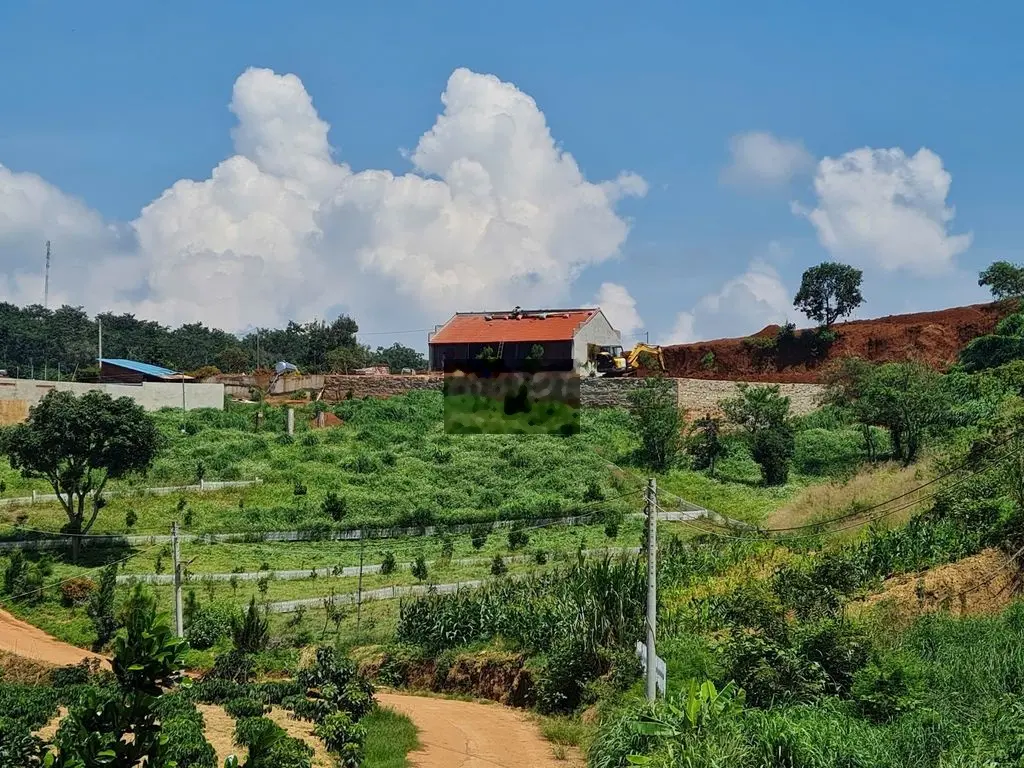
x,y
611,360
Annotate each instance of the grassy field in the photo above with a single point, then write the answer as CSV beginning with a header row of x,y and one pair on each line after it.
x,y
390,737
390,463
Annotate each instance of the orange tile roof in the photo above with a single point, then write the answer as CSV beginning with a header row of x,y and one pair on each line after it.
x,y
473,328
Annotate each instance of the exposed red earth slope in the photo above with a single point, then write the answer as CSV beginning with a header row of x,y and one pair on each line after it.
x,y
934,338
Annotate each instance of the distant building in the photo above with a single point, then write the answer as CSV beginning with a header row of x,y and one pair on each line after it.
x,y
511,335
118,371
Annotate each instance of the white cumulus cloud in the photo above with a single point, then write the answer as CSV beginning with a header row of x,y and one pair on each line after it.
x,y
744,305
758,158
881,207
493,213
620,309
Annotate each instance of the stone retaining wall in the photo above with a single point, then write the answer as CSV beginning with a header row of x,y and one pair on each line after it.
x,y
695,396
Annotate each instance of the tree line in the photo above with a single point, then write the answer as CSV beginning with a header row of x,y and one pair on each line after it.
x,y
47,343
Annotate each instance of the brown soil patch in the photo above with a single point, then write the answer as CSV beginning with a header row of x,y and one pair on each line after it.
x,y
303,729
220,731
23,639
982,584
18,669
48,731
467,734
934,338
863,490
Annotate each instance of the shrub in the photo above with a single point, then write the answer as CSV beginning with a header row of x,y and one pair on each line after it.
x,y
772,673
419,568
18,747
299,489
498,566
186,744
478,538
388,564
101,607
885,690
250,633
772,449
540,557
76,591
343,737
840,649
334,507
517,539
245,707
207,625
562,679
827,451
233,666
269,746
131,517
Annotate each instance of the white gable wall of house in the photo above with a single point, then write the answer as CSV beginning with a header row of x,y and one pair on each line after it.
x,y
597,330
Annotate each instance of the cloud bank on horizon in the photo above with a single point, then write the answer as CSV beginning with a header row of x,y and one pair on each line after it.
x,y
493,209
281,230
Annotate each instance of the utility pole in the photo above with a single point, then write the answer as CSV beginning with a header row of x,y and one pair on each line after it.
x,y
179,621
359,588
46,279
99,323
652,587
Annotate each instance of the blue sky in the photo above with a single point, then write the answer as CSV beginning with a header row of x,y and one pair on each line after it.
x,y
113,102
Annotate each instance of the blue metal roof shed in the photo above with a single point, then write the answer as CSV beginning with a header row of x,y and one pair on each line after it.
x,y
117,369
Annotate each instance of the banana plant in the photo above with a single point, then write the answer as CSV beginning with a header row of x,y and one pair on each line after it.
x,y
681,717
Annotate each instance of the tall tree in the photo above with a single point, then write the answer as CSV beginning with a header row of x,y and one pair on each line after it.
x,y
79,443
655,411
398,356
829,291
1005,280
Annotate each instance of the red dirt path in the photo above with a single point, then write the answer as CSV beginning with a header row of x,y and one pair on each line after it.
x,y
934,338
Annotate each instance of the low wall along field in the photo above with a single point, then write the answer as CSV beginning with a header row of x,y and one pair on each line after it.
x,y
18,395
695,396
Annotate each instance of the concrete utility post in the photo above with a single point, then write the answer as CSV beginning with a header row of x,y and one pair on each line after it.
x,y
179,621
652,587
291,421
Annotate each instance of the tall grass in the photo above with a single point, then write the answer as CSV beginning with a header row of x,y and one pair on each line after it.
x,y
596,602
390,737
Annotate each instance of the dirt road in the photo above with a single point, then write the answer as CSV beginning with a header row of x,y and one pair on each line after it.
x,y
31,642
465,734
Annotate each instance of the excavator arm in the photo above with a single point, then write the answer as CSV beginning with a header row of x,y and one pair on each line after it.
x,y
653,351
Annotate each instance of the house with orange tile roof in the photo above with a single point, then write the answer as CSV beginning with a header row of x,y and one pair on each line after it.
x,y
563,334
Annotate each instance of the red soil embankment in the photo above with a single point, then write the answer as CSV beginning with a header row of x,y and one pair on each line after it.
x,y
933,338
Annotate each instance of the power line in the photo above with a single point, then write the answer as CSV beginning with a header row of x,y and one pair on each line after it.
x,y
943,476
79,575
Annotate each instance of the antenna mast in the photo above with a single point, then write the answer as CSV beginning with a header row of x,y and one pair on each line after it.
x,y
46,279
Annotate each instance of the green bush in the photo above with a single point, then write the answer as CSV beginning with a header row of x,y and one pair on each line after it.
x,y
562,678
343,737
208,624
388,564
245,707
517,539
771,672
820,451
772,449
18,747
186,744
885,690
498,566
334,507
840,649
